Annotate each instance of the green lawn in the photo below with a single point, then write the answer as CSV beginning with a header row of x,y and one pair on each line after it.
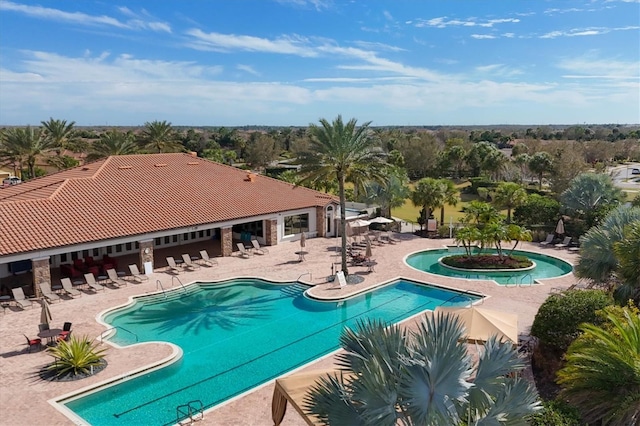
x,y
408,212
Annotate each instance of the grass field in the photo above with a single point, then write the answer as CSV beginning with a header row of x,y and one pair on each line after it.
x,y
408,212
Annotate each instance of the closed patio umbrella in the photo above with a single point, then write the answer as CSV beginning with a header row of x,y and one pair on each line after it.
x,y
367,252
45,313
303,240
560,227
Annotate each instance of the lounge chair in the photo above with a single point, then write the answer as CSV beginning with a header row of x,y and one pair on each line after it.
x,y
136,275
205,259
547,241
257,248
173,266
342,281
114,278
33,342
564,243
68,288
20,299
45,288
188,263
243,251
91,282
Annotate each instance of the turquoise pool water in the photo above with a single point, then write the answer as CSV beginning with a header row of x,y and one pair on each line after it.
x,y
236,336
546,267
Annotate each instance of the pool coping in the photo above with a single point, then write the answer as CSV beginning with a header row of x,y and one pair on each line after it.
x,y
58,402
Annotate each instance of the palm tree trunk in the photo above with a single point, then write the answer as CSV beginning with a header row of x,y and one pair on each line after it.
x,y
343,223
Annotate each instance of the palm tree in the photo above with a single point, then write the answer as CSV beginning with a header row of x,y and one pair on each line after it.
x,y
602,373
113,142
390,194
627,252
427,194
335,150
158,136
422,377
449,196
539,164
517,233
61,135
590,192
509,195
24,146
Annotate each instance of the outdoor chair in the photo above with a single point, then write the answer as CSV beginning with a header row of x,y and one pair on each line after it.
x,y
67,286
43,327
33,343
188,263
47,293
20,299
548,241
205,259
257,248
66,332
91,282
564,243
243,251
172,266
136,275
115,279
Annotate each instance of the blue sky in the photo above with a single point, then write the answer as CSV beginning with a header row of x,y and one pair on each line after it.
x,y
292,62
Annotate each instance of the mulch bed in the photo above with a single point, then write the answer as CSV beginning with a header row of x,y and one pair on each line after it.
x,y
69,377
487,261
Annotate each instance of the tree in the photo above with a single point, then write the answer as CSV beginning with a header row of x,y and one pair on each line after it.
x,y
602,373
113,142
61,135
422,377
335,150
427,194
390,194
537,210
24,146
449,196
261,150
539,164
509,195
627,252
590,195
159,136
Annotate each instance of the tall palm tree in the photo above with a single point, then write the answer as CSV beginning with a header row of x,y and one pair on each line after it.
x,y
61,135
422,377
113,142
539,164
449,196
602,373
509,195
589,192
335,150
427,194
159,136
25,146
628,254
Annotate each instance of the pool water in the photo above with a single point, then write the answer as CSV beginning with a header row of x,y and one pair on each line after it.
x,y
546,267
236,336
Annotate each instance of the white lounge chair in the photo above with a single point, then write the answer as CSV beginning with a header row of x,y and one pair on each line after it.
x,y
136,275
257,248
45,288
68,288
341,279
20,299
547,241
173,266
205,259
114,278
187,263
91,282
243,251
564,243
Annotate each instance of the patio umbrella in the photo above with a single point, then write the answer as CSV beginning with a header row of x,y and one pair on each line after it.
x,y
359,223
560,227
45,313
381,219
481,323
367,252
303,240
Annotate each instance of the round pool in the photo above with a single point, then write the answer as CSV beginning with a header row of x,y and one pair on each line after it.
x,y
546,267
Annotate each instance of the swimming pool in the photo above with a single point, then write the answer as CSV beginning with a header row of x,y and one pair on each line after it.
x,y
546,267
235,336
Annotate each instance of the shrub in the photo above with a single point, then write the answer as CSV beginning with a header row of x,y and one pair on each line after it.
x,y
537,210
443,231
556,413
75,357
557,322
487,262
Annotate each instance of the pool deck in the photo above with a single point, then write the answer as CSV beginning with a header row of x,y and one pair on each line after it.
x,y
24,397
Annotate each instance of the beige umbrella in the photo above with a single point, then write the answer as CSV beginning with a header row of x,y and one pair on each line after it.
x,y
560,227
303,240
380,219
45,313
367,252
482,323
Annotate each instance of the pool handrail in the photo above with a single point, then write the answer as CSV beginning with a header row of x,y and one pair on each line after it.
x,y
159,284
193,413
173,277
101,337
523,277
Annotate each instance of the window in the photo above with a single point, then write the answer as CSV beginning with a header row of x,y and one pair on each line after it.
x,y
185,237
193,235
118,248
128,246
208,232
296,224
109,249
96,252
200,234
158,241
167,239
137,245
85,253
175,238
63,257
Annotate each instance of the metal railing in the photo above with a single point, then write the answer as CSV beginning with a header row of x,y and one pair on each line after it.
x,y
193,410
525,276
173,277
159,284
109,330
306,273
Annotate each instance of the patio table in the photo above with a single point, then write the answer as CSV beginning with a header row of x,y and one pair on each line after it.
x,y
301,255
50,335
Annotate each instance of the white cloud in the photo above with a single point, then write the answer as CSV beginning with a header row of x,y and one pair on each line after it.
x,y
288,45
247,68
80,18
590,31
443,22
591,66
316,4
483,36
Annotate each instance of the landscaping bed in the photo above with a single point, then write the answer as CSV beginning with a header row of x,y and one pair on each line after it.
x,y
487,261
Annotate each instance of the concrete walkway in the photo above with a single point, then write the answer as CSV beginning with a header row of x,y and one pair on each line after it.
x,y
24,397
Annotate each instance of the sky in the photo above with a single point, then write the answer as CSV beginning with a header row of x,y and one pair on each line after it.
x,y
294,62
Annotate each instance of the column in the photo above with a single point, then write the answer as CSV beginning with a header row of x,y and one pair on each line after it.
x,y
271,232
321,221
226,241
41,274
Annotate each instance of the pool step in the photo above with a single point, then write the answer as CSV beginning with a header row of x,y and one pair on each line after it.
x,y
294,290
171,295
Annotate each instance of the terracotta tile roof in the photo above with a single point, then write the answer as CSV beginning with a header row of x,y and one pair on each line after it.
x,y
137,194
